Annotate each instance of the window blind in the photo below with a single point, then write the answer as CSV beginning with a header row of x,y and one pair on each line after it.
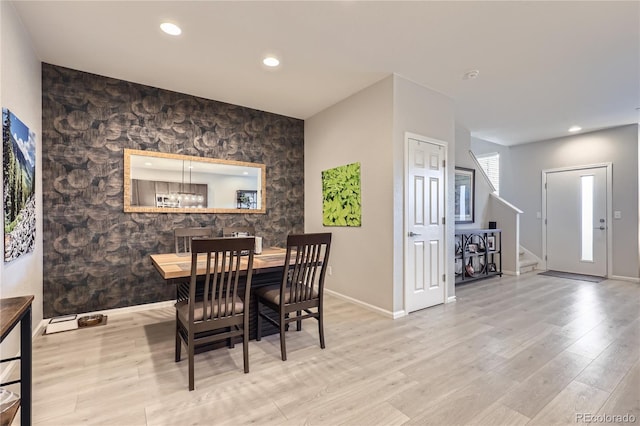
x,y
490,163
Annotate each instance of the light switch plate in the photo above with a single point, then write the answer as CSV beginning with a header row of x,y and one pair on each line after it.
x,y
538,215
617,214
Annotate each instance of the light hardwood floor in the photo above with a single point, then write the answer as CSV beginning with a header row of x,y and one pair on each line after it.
x,y
512,350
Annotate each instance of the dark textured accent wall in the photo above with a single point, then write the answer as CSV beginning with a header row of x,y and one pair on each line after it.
x,y
96,256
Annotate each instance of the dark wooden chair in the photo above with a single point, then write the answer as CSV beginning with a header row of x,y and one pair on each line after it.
x,y
234,230
221,312
300,293
183,237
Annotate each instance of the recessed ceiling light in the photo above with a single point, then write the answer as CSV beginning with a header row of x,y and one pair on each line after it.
x,y
470,75
170,28
147,164
271,61
575,129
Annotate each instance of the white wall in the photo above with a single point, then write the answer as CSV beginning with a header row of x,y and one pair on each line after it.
x,y
496,211
482,189
357,129
422,111
369,127
619,145
482,147
21,92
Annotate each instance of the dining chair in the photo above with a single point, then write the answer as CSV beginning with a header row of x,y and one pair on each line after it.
x,y
221,312
183,237
300,293
234,230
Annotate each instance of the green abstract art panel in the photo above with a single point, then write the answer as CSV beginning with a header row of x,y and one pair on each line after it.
x,y
341,202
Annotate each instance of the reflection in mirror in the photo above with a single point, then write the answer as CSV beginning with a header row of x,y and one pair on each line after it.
x,y
163,182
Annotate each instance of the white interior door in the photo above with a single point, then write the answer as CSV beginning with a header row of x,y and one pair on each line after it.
x,y
424,240
576,218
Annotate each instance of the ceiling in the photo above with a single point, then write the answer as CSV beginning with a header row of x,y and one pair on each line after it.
x,y
543,66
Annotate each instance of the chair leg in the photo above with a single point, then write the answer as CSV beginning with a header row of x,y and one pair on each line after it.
x,y
191,356
230,342
321,327
245,347
178,347
283,347
259,324
178,341
299,322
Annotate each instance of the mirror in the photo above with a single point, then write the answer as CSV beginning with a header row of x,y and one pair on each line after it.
x,y
159,182
464,195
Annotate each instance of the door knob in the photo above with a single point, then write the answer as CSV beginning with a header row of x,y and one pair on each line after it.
x,y
413,234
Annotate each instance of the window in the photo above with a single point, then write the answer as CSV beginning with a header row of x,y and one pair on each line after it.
x,y
587,217
490,163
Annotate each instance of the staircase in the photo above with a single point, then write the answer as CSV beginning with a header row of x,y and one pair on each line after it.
x,y
528,261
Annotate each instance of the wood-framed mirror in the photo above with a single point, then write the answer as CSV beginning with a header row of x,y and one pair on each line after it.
x,y
465,188
160,182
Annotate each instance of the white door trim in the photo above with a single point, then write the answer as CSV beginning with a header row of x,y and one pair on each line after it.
x,y
609,169
405,228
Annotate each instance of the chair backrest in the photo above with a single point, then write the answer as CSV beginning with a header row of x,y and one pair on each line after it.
x,y
232,231
225,266
307,257
184,236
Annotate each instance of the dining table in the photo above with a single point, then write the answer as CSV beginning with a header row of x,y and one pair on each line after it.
x,y
178,265
268,266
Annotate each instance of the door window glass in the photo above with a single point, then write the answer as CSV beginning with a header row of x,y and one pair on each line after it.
x,y
587,218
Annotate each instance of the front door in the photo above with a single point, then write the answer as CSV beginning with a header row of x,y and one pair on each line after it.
x,y
576,218
425,230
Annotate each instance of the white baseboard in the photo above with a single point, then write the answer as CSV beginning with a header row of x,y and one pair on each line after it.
x,y
127,309
512,273
40,328
394,315
622,278
367,306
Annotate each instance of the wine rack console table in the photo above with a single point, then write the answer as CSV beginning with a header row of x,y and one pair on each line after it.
x,y
14,311
478,254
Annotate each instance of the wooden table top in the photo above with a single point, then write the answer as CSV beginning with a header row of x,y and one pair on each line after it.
x,y
11,309
178,265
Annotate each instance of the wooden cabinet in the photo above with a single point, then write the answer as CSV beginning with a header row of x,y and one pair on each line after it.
x,y
478,254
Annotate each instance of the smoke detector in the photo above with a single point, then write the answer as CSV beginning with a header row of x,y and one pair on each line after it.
x,y
471,75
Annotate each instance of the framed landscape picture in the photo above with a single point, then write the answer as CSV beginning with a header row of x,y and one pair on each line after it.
x,y
18,168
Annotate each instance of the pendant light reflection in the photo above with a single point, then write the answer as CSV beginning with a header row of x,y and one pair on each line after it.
x,y
188,198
